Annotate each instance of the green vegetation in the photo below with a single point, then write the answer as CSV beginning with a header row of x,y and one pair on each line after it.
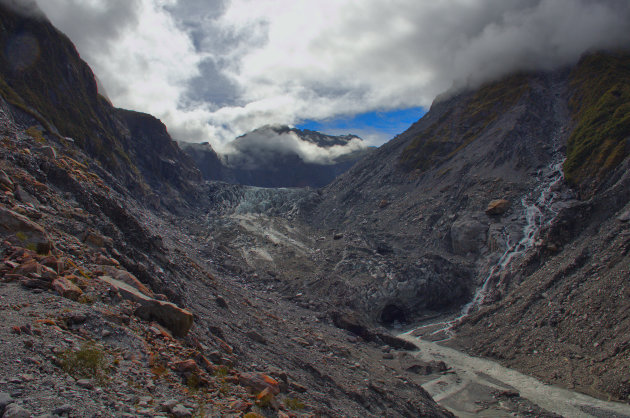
x,y
36,134
457,128
294,404
221,373
88,362
600,103
193,382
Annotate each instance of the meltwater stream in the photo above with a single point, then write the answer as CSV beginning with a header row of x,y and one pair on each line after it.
x,y
538,212
470,380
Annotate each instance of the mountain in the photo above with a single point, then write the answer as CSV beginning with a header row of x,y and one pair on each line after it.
x,y
497,224
43,76
114,296
279,156
513,196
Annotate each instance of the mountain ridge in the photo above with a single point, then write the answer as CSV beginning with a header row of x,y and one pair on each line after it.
x,y
279,156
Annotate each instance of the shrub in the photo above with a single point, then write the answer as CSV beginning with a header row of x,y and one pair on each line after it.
x,y
294,404
87,362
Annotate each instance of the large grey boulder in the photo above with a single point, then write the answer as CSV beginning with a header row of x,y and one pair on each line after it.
x,y
468,236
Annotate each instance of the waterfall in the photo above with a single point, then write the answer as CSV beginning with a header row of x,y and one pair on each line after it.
x,y
538,212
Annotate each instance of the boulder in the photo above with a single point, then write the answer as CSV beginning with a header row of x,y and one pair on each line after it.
x,y
266,399
25,197
259,382
172,317
24,231
5,181
49,152
94,239
16,411
180,411
126,277
66,288
468,236
624,217
5,400
186,367
256,336
497,207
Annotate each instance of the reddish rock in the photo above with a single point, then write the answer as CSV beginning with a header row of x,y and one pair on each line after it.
x,y
297,387
175,319
497,207
186,367
240,406
66,288
259,382
28,267
126,277
207,364
267,399
48,274
24,232
106,261
5,181
11,264
54,263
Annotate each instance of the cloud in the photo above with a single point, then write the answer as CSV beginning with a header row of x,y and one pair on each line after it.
x,y
24,7
255,149
213,70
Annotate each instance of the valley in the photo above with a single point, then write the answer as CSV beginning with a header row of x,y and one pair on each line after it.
x,y
476,264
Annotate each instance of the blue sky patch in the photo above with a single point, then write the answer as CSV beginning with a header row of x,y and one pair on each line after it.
x,y
375,127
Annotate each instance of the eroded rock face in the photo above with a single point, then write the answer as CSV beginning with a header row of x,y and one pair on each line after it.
x,y
24,231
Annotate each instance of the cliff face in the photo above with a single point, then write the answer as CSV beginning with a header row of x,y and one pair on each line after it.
x,y
43,75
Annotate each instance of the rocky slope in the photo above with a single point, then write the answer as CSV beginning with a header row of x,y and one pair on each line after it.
x,y
43,76
453,197
272,156
115,298
130,287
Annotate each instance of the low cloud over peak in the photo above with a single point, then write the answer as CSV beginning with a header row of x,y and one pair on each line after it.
x,y
213,70
258,148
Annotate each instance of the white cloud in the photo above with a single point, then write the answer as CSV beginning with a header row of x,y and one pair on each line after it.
x,y
258,148
279,61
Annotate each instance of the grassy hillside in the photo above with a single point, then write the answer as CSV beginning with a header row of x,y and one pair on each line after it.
x,y
461,126
600,103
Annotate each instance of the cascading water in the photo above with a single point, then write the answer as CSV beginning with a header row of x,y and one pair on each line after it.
x,y
538,211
